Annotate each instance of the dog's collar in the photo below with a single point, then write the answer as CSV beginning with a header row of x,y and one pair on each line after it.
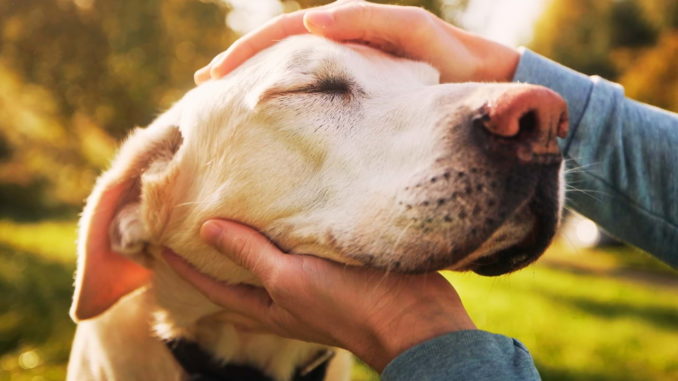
x,y
201,366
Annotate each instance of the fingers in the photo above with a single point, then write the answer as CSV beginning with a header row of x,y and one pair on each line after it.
x,y
244,323
268,34
203,74
242,299
246,247
342,20
368,22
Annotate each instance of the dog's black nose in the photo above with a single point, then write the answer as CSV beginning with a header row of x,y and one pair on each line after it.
x,y
523,122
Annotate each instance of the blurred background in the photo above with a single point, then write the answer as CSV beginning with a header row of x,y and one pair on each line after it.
x,y
76,75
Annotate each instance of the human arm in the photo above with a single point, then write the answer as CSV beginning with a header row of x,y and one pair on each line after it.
x,y
621,156
406,325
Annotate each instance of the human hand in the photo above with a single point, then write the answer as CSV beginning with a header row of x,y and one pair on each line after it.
x,y
409,32
373,314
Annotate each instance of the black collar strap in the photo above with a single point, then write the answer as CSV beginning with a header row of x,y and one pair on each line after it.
x,y
201,366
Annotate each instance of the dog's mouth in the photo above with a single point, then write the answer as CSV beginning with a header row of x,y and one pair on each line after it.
x,y
515,223
546,214
514,257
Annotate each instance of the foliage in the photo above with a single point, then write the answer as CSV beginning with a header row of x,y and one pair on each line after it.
x,y
36,269
76,75
630,41
653,76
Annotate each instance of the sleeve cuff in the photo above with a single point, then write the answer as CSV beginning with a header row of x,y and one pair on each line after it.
x,y
464,355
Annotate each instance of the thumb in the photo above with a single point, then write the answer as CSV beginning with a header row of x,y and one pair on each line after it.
x,y
244,246
243,299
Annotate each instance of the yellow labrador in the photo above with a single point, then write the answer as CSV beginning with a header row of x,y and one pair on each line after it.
x,y
336,150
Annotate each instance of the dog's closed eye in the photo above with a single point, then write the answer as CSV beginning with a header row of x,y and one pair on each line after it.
x,y
330,85
334,86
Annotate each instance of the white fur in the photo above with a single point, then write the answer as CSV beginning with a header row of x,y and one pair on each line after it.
x,y
316,172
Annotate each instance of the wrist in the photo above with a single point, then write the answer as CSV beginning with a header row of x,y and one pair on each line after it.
x,y
489,61
496,62
412,326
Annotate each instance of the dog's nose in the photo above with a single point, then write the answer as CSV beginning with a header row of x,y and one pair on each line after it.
x,y
524,122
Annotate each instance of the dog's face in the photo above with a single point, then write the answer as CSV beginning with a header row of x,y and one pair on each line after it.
x,y
343,152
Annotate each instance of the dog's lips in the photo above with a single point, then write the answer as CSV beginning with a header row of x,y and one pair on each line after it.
x,y
510,259
530,247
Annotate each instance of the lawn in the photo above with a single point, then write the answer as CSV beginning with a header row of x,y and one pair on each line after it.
x,y
584,314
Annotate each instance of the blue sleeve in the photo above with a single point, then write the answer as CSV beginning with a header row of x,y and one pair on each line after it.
x,y
464,355
621,157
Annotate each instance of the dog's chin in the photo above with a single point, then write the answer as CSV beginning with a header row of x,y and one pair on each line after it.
x,y
527,250
501,254
512,258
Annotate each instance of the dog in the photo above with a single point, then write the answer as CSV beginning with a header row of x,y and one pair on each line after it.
x,y
335,150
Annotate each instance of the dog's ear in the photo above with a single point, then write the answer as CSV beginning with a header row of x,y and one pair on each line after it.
x,y
111,231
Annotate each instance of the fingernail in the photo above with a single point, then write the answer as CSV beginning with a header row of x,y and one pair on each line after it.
x,y
211,231
218,58
216,69
201,74
318,20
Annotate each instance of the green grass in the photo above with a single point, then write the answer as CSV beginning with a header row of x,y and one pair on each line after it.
x,y
580,326
53,240
36,269
581,313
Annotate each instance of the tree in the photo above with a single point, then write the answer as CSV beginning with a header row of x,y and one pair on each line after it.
x,y
77,75
654,75
630,41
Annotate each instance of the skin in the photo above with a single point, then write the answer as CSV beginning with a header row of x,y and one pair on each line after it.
x,y
375,315
372,314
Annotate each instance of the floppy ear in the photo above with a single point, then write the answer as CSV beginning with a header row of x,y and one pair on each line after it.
x,y
111,229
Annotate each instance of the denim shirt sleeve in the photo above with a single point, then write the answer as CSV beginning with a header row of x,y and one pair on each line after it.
x,y
621,157
464,355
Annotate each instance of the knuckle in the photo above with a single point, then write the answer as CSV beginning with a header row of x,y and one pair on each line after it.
x,y
283,18
241,246
274,280
280,282
279,18
283,22
422,21
353,7
419,15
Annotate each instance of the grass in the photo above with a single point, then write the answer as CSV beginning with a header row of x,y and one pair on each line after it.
x,y
583,313
580,326
36,269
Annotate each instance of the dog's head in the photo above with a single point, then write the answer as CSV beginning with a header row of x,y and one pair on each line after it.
x,y
339,151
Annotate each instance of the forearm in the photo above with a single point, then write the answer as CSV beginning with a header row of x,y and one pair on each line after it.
x,y
621,157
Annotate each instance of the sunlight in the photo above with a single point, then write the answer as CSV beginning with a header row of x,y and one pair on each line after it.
x,y
507,21
246,15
